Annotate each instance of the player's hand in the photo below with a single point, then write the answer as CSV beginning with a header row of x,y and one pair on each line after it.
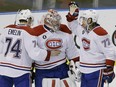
x,y
55,52
73,11
108,74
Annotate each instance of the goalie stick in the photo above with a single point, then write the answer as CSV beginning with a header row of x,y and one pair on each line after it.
x,y
16,16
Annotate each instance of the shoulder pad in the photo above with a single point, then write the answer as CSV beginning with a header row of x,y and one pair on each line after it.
x,y
65,29
11,26
38,30
100,31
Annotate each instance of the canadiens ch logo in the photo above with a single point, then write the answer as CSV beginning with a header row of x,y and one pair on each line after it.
x,y
54,43
86,44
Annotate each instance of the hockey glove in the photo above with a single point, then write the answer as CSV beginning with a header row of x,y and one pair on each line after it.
x,y
74,72
73,11
108,74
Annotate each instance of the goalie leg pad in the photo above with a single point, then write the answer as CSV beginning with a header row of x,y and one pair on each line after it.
x,y
56,82
68,83
51,82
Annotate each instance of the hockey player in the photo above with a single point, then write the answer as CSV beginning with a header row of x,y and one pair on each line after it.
x,y
54,36
96,48
19,47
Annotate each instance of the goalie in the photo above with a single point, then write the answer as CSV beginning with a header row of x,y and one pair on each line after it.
x,y
97,51
54,36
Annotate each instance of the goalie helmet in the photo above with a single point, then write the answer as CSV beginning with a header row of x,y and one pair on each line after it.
x,y
25,15
52,20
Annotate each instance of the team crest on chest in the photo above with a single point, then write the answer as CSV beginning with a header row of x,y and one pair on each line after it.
x,y
54,43
86,44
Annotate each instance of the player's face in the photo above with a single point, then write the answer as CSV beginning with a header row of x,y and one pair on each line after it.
x,y
30,22
83,21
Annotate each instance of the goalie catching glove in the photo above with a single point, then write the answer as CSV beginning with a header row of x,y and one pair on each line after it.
x,y
73,11
74,72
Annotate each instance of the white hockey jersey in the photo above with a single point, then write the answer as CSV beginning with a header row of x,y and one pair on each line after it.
x,y
55,41
18,48
95,47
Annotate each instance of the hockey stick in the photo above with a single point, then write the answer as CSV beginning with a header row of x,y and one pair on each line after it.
x,y
16,16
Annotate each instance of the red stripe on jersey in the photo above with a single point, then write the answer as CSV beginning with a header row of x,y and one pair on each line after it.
x,y
53,83
51,62
65,83
15,65
75,59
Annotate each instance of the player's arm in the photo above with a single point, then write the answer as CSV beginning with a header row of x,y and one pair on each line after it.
x,y
72,53
107,48
35,52
73,11
72,17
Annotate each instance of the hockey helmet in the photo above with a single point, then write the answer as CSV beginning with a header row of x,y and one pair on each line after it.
x,y
25,15
90,16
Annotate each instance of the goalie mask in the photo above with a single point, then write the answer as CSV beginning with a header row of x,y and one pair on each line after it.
x,y
25,17
88,18
52,20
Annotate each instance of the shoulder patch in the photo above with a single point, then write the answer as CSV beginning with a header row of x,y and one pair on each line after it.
x,y
38,30
100,31
65,29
